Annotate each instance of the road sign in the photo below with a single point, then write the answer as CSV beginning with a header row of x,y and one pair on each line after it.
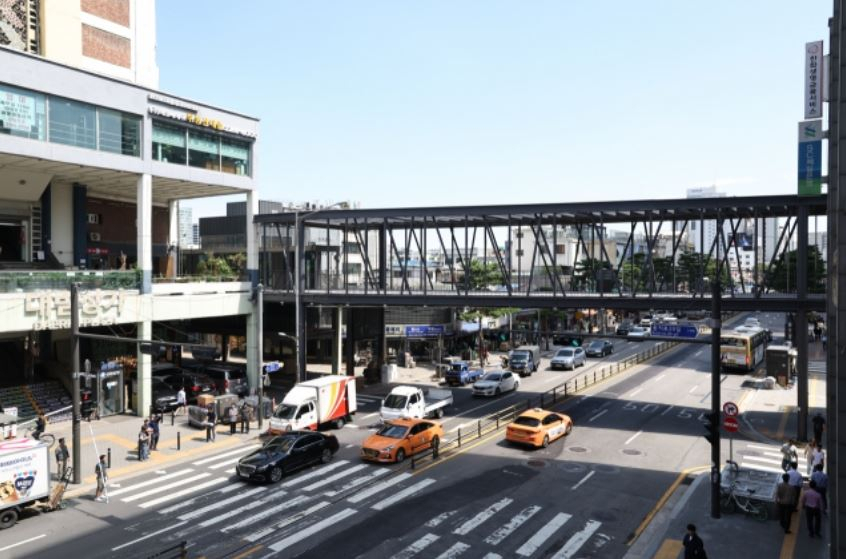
x,y
730,409
730,424
675,330
272,367
810,157
814,79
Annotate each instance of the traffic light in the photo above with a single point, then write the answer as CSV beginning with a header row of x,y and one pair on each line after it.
x,y
712,427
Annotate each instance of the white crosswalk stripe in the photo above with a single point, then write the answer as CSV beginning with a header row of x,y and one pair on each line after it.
x,y
378,488
457,549
316,473
288,521
399,496
416,547
154,481
533,544
254,518
516,521
474,522
243,451
190,502
178,494
436,521
336,477
227,462
358,481
160,488
219,504
300,535
577,540
767,459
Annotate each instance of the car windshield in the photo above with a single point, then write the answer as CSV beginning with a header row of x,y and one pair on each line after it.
x,y
528,421
564,353
638,330
519,356
492,376
279,444
457,367
597,345
285,411
395,401
393,431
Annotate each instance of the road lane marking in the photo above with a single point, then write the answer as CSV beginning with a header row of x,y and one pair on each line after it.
x,y
577,540
635,392
516,521
227,462
633,437
362,495
492,556
315,473
255,536
165,487
659,377
666,410
300,535
597,415
698,353
457,549
436,521
153,481
191,501
242,450
584,479
178,494
670,549
407,492
358,481
363,417
692,389
253,518
162,531
416,547
469,525
199,512
336,477
22,542
662,501
532,544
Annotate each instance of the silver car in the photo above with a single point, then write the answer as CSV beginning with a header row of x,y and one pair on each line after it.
x,y
495,383
568,358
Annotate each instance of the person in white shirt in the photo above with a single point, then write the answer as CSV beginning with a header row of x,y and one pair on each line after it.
x,y
818,456
180,401
795,482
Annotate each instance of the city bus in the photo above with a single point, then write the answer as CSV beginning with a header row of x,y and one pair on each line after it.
x,y
742,350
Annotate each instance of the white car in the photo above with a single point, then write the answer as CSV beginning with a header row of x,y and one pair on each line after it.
x,y
568,358
495,383
638,333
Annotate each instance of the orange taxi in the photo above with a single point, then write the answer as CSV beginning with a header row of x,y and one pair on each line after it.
x,y
399,438
537,427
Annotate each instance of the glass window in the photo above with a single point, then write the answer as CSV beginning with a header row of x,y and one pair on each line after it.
x,y
119,132
235,156
72,123
22,113
169,143
203,150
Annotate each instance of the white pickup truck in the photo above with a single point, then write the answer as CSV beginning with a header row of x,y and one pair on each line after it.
x,y
413,402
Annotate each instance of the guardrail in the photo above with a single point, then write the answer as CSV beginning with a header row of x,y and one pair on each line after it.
x,y
494,422
27,281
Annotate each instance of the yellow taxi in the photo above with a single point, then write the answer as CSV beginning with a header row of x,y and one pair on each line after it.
x,y
537,427
399,438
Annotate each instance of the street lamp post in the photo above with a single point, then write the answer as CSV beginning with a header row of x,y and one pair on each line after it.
x,y
301,373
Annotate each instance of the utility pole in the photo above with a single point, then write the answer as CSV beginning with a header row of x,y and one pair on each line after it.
x,y
75,370
714,416
260,351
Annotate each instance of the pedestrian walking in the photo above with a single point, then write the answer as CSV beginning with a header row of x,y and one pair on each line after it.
x,y
796,482
246,413
154,423
102,478
818,421
825,341
812,503
694,548
818,456
789,454
180,401
211,419
809,457
62,456
784,501
821,479
233,418
144,442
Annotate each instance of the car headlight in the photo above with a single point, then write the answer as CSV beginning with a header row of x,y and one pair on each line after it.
x,y
388,448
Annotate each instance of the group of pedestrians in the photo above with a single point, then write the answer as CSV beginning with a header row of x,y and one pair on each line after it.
x,y
148,436
235,414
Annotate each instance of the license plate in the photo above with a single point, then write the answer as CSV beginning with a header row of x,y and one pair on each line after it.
x,y
243,475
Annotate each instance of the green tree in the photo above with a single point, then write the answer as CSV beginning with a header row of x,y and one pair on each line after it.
x,y
783,274
482,275
214,266
586,273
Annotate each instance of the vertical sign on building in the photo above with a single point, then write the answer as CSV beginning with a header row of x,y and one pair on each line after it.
x,y
813,79
810,157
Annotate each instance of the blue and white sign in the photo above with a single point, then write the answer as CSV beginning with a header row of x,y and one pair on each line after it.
x,y
424,331
675,330
272,367
810,157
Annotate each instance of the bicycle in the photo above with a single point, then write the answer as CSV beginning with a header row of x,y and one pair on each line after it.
x,y
47,438
730,502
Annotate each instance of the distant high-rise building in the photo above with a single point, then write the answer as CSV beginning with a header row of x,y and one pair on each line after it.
x,y
709,227
195,234
114,37
186,228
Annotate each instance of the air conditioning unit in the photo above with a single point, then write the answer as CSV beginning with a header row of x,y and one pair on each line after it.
x,y
93,236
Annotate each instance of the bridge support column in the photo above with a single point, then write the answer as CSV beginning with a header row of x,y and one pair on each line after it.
x,y
801,322
337,340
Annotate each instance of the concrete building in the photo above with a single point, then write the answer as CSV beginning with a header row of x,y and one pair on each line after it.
x,y
186,228
709,227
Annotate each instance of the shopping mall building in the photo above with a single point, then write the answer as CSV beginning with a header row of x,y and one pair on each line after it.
x,y
94,160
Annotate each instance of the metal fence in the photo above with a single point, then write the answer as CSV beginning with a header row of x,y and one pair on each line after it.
x,y
495,421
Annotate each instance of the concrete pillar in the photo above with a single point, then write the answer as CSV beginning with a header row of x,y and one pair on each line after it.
x,y
173,247
254,348
337,340
252,244
144,397
253,360
144,226
224,348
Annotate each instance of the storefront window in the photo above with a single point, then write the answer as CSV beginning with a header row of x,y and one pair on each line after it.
x,y
203,150
72,123
169,143
22,113
119,132
235,156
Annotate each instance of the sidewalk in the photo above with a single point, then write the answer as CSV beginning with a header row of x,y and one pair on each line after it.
x,y
767,417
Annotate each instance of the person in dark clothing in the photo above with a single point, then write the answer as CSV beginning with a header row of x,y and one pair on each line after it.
x,y
694,548
811,501
784,501
40,425
62,455
154,434
246,412
210,423
818,422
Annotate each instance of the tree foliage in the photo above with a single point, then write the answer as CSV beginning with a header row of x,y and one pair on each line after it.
x,y
783,274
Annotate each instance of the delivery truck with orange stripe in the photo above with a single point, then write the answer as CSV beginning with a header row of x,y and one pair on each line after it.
x,y
314,403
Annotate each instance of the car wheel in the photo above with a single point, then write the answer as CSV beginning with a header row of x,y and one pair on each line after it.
x,y
326,456
545,442
339,423
8,518
439,413
498,392
400,456
275,474
569,429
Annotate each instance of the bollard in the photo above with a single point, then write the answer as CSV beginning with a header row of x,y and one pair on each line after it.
x,y
459,437
109,458
585,380
594,377
178,441
479,428
554,395
172,417
575,385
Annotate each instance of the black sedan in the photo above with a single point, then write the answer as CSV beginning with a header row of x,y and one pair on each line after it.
x,y
164,396
599,348
286,453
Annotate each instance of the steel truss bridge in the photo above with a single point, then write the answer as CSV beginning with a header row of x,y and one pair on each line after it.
x,y
374,257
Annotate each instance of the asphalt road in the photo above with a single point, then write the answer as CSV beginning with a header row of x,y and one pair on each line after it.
x,y
583,496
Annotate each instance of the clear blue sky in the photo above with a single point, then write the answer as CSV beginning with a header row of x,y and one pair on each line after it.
x,y
492,102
